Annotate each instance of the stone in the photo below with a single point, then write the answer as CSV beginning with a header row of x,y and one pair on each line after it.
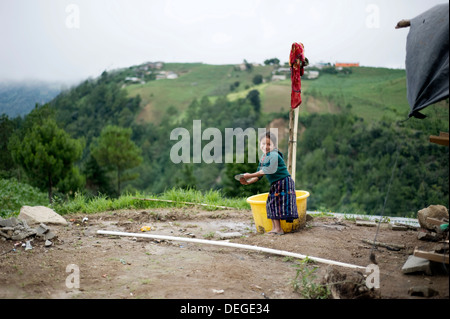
x,y
42,229
365,223
397,227
351,285
434,211
228,235
422,291
218,291
48,243
416,264
5,235
426,235
10,222
15,229
41,214
22,234
49,235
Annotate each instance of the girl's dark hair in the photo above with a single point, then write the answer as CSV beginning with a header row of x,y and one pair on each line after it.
x,y
272,137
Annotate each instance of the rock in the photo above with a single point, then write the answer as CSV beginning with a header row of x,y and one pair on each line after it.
x,y
44,232
6,232
433,211
416,264
42,229
423,234
10,222
397,227
48,243
228,235
365,223
41,214
20,234
49,235
21,230
350,285
422,291
218,291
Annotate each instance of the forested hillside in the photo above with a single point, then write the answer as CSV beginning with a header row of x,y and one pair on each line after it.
x,y
19,98
352,126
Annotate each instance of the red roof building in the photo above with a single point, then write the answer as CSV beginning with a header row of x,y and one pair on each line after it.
x,y
347,65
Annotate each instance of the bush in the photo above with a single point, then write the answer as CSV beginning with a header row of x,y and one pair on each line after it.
x,y
14,195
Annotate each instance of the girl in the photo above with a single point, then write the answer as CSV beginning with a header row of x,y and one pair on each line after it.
x,y
281,201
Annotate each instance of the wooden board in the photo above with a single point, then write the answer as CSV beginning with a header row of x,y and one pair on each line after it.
x,y
442,139
431,256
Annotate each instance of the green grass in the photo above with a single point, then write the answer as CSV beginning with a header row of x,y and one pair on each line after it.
x,y
83,204
373,93
14,195
195,81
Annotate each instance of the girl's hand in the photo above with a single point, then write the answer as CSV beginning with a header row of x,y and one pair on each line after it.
x,y
243,181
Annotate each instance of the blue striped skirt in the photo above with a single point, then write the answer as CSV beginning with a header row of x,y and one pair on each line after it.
x,y
282,200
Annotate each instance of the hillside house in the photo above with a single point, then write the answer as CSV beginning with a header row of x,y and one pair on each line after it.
x,y
346,64
155,65
243,66
170,75
321,65
276,77
284,70
134,79
311,75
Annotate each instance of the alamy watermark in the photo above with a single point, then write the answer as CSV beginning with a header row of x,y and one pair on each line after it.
x,y
73,279
219,149
73,16
373,278
373,17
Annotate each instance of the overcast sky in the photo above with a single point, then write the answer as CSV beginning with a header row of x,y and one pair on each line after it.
x,y
71,40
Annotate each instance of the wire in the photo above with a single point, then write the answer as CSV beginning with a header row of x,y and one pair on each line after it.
x,y
372,254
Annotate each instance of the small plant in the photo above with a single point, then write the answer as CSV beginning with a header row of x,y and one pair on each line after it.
x,y
304,281
209,235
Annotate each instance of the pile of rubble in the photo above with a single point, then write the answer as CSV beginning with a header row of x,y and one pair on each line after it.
x,y
15,229
18,229
433,222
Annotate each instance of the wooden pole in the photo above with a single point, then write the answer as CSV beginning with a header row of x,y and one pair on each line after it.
x,y
292,149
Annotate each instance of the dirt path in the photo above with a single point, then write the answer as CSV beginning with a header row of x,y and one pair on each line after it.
x,y
126,267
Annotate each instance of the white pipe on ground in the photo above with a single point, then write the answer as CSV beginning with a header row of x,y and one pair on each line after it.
x,y
234,245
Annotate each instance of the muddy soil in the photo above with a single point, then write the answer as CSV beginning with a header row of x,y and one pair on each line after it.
x,y
120,267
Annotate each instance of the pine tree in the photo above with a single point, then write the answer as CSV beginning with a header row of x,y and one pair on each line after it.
x,y
115,150
47,154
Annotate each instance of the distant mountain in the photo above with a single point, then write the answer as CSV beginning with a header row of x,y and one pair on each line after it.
x,y
19,98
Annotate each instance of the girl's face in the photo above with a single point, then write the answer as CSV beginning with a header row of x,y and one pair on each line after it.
x,y
266,145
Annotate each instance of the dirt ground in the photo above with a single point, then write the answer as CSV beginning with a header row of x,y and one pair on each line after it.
x,y
119,267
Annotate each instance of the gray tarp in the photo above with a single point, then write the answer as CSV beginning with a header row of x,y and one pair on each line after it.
x,y
427,59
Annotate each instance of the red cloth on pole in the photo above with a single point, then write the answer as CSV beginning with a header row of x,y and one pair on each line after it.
x,y
296,62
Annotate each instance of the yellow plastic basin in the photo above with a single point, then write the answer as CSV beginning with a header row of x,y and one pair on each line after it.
x,y
263,224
